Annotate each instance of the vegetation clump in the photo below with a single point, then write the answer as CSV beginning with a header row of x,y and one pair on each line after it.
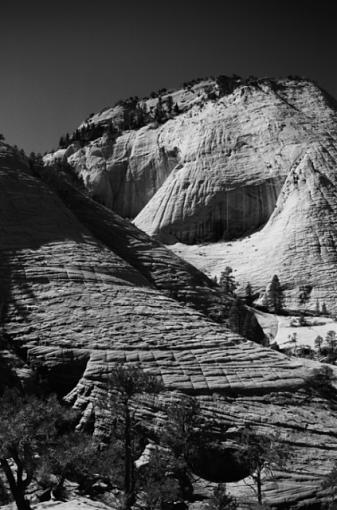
x,y
227,282
263,456
33,435
321,381
124,384
274,297
221,499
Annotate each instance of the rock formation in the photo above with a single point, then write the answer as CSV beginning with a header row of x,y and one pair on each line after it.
x,y
239,156
75,305
298,243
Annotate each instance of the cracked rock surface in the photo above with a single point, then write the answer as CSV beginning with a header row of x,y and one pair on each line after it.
x,y
75,306
246,180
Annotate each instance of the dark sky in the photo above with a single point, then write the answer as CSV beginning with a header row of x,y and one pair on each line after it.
x,y
61,60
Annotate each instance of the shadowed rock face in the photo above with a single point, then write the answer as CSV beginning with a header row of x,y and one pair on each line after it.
x,y
75,308
164,270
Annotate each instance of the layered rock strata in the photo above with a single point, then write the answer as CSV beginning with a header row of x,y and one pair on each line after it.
x,y
299,241
74,308
215,170
261,156
162,268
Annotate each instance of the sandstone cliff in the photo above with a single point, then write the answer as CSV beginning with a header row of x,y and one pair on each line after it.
x,y
74,307
298,243
162,268
261,155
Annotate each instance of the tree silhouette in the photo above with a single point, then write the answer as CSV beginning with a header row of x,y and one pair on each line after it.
x,y
274,295
169,104
263,455
227,281
28,427
331,341
125,382
159,113
249,294
184,432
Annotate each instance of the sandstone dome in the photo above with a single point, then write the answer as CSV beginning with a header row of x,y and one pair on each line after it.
x,y
74,307
250,172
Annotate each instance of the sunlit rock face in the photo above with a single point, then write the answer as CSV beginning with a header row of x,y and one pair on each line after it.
x,y
251,174
74,306
238,153
212,172
299,241
125,176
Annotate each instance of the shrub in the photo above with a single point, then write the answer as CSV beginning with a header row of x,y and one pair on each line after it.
x,y
321,380
29,426
221,499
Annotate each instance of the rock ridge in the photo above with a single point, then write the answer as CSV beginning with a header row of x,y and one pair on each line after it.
x,y
74,308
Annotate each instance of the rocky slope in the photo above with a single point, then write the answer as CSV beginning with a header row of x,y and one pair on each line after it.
x,y
298,243
262,154
161,267
73,307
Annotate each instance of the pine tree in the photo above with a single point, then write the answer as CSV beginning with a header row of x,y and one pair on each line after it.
x,y
249,294
324,309
227,282
125,383
176,109
159,114
275,297
186,434
169,104
182,427
331,340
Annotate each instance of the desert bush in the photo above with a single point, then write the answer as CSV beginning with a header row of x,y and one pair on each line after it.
x,y
29,427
